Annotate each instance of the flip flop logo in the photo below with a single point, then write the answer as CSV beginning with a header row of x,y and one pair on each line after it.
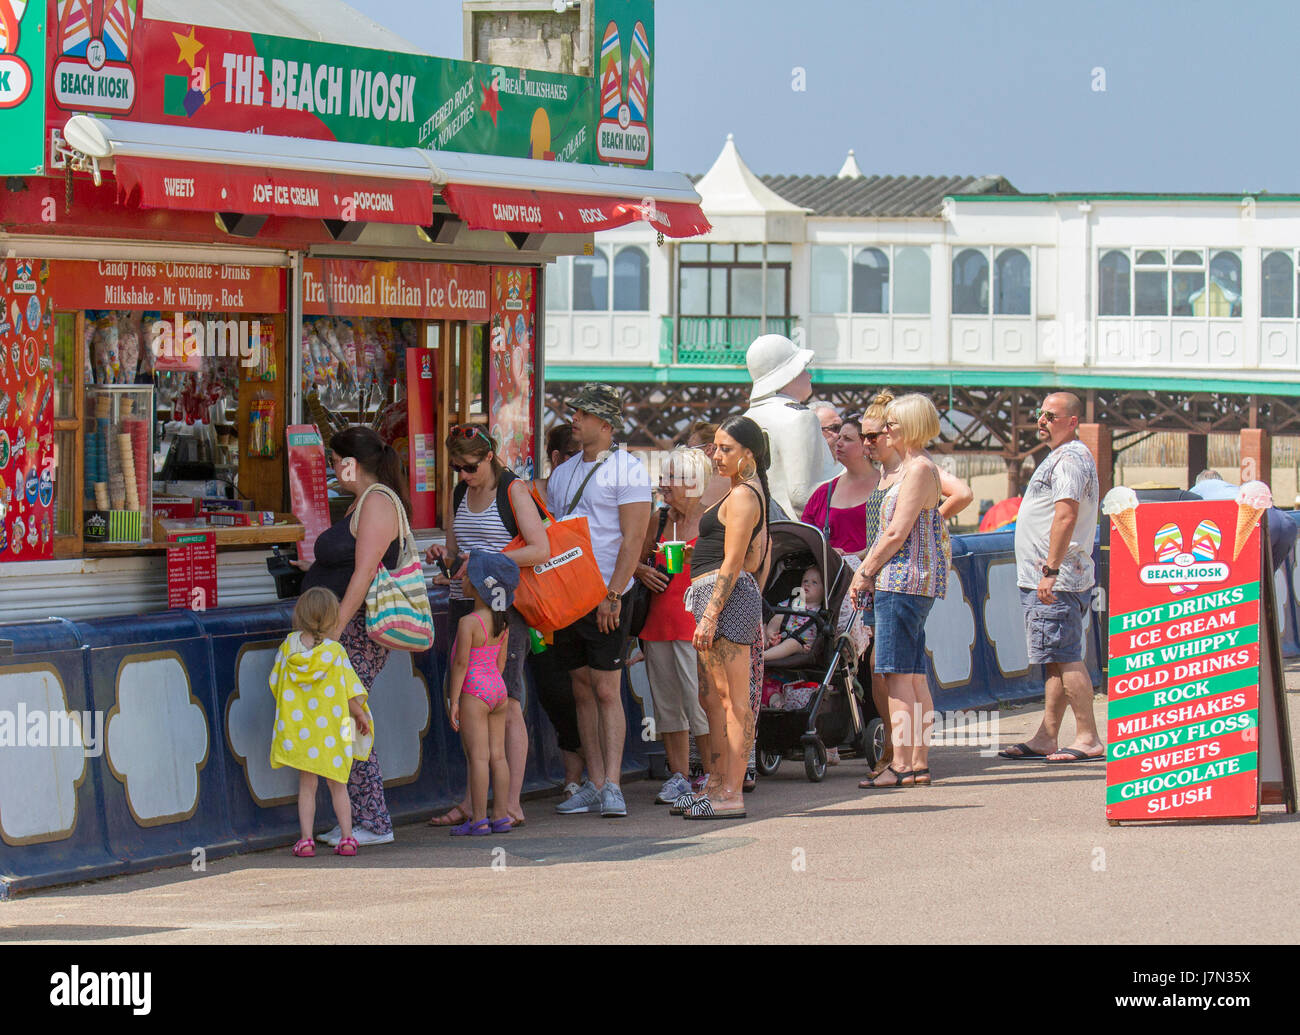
x,y
1175,561
15,76
95,40
98,30
623,133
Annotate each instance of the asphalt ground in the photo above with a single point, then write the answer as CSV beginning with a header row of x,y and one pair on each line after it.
x,y
996,851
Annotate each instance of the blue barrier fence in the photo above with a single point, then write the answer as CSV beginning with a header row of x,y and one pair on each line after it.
x,y
169,750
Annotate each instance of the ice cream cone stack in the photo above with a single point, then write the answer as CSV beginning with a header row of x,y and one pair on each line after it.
x,y
1247,518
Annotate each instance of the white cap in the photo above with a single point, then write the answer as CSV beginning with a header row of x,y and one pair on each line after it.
x,y
774,361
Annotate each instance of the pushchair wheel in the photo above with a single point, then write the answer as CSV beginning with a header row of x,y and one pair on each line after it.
x,y
767,762
814,761
870,743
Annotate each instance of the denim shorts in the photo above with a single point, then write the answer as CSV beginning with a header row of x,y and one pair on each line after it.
x,y
900,632
1054,632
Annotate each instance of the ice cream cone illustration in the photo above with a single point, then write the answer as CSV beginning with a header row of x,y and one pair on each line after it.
x,y
1121,504
1252,500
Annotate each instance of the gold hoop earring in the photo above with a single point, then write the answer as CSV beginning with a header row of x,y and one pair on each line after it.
x,y
753,470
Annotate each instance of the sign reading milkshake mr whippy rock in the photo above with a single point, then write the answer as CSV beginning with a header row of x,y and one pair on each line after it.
x,y
1187,625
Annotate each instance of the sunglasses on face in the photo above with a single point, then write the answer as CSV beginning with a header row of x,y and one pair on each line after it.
x,y
1046,415
467,468
871,436
833,429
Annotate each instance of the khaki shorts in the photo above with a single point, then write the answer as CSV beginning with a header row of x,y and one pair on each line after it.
x,y
674,685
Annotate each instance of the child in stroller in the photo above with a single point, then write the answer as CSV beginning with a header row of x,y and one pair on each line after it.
x,y
789,635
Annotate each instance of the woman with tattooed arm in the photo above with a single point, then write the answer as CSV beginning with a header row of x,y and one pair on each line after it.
x,y
727,568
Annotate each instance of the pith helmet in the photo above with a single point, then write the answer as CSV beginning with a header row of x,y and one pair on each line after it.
x,y
774,361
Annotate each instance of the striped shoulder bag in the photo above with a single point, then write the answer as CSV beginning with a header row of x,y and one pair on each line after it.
x,y
398,615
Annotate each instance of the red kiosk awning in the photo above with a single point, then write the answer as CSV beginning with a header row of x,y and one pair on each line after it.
x,y
298,193
550,212
255,175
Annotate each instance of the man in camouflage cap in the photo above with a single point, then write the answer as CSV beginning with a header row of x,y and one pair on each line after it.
x,y
600,400
611,489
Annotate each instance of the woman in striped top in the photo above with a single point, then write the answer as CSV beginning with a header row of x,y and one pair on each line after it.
x,y
905,571
479,523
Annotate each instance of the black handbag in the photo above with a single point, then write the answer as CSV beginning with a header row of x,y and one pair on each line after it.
x,y
637,599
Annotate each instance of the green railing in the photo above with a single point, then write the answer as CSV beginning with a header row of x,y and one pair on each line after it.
x,y
717,339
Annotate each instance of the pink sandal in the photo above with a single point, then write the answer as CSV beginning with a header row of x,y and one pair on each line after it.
x,y
305,848
347,846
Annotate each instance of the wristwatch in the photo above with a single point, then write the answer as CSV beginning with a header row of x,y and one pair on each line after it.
x,y
1050,573
613,597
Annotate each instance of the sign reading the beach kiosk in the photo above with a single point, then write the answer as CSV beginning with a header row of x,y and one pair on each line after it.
x,y
1183,708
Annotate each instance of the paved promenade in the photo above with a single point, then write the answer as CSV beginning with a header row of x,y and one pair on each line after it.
x,y
995,851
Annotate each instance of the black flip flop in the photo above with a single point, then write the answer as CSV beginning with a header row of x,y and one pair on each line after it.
x,y
1075,756
1025,752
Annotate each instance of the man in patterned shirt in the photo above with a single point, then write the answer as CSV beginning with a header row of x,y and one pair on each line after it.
x,y
1055,530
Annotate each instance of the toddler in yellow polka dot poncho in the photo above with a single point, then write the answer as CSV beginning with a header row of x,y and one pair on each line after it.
x,y
320,705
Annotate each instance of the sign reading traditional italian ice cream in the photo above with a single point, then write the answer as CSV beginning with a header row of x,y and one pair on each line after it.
x,y
1187,625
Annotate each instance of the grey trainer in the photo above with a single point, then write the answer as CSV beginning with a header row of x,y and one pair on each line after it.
x,y
612,805
587,799
674,787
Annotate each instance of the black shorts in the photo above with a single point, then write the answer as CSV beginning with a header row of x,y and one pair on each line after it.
x,y
583,645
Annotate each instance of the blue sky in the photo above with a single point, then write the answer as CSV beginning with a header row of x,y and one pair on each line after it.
x,y
1197,94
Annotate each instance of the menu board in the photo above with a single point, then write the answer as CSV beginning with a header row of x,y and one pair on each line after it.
x,y
192,570
308,494
26,412
1186,630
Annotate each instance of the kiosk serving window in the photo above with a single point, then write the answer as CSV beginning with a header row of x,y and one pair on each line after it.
x,y
164,405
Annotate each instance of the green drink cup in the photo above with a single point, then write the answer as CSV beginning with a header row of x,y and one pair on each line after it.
x,y
674,557
536,641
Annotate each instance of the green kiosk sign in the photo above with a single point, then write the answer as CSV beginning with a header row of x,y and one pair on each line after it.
x,y
22,86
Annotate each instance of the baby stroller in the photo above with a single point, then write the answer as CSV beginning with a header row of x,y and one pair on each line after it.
x,y
838,712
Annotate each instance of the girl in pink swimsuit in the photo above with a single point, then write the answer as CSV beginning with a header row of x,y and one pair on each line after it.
x,y
478,692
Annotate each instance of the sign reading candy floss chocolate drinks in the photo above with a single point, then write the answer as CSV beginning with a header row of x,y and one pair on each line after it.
x,y
1189,631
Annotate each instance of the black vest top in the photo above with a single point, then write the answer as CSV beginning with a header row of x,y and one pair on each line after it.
x,y
710,546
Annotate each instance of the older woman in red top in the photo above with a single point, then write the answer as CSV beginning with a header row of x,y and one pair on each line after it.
x,y
670,658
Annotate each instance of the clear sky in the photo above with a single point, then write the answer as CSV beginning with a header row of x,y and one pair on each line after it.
x,y
1196,96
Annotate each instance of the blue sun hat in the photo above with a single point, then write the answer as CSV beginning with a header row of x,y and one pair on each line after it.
x,y
494,578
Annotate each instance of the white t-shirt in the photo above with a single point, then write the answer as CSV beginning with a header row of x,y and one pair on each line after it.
x,y
1066,473
621,479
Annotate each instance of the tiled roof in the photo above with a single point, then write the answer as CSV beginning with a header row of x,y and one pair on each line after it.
x,y
883,197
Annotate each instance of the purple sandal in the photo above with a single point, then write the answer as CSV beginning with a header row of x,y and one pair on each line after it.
x,y
471,829
503,825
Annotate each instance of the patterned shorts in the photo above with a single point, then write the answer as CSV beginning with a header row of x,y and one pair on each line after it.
x,y
741,620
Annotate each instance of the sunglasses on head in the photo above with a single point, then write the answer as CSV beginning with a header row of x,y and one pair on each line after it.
x,y
469,431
